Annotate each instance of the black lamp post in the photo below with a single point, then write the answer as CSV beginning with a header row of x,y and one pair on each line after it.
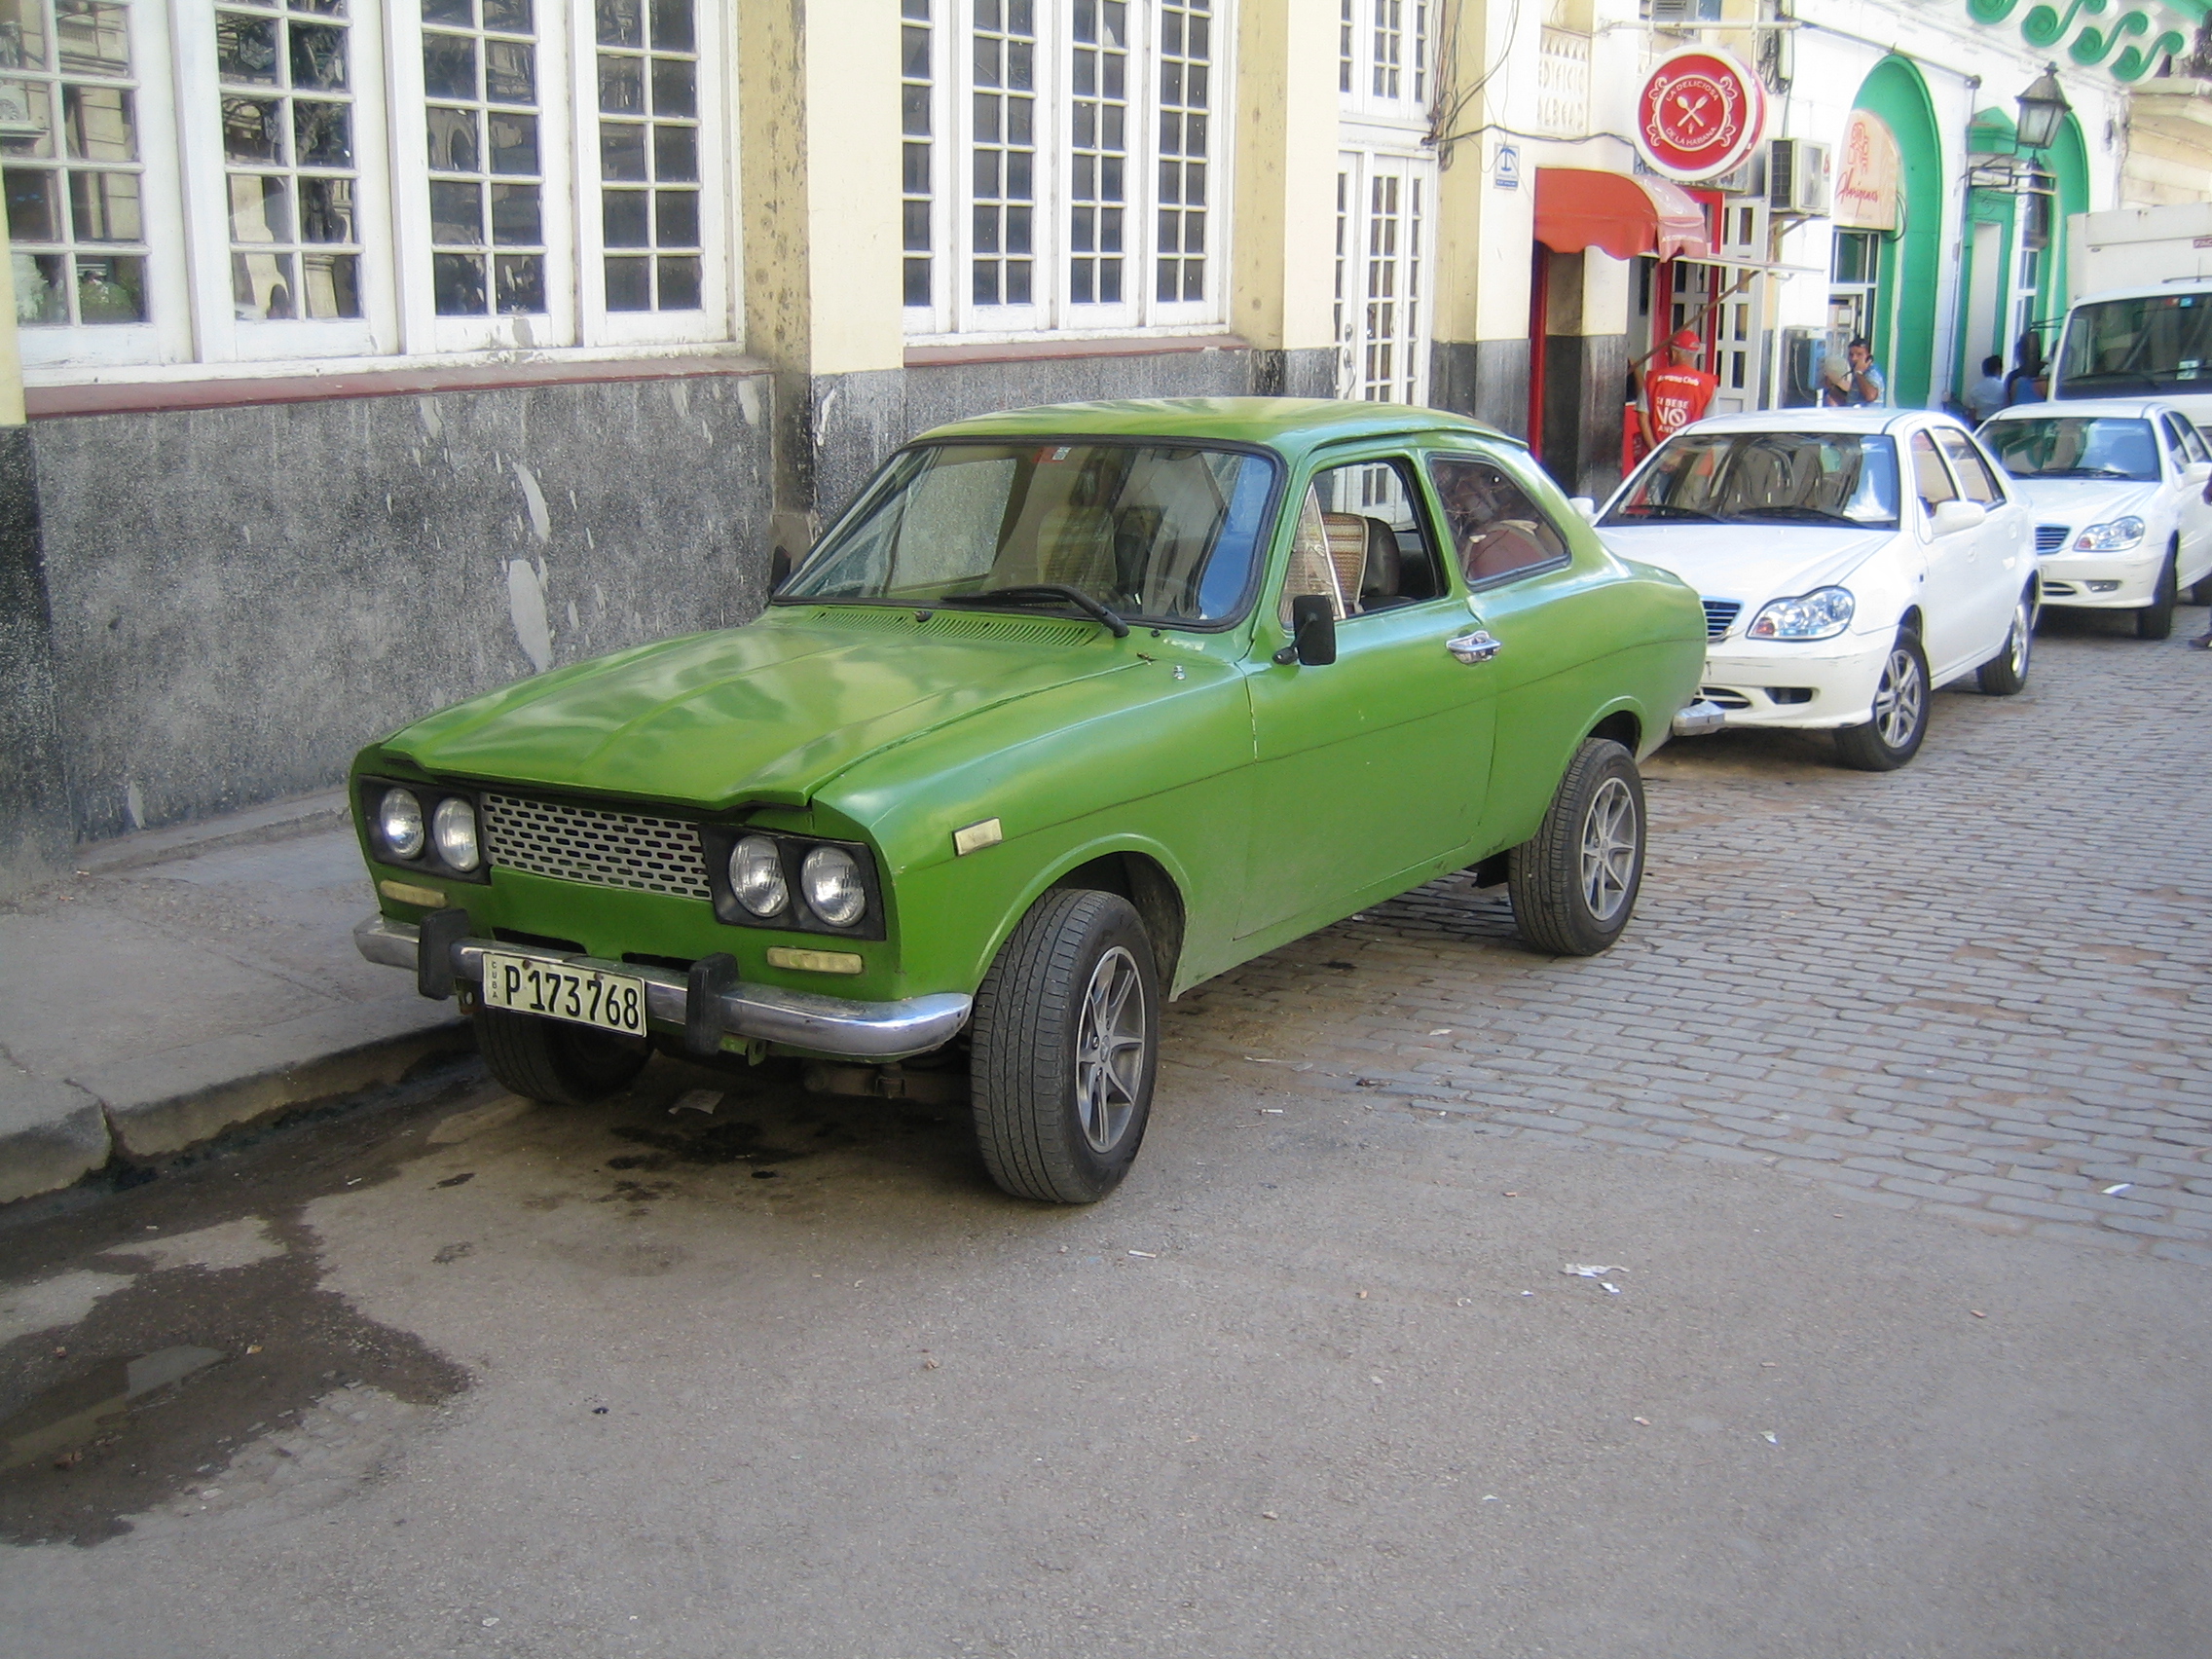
x,y
2043,106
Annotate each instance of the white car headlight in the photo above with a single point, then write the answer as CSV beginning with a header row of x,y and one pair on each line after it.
x,y
399,824
1817,616
757,876
2112,538
831,881
452,827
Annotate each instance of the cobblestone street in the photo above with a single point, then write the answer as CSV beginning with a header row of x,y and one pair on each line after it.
x,y
1975,987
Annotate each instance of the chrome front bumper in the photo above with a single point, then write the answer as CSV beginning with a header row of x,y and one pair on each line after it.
x,y
800,1019
1699,719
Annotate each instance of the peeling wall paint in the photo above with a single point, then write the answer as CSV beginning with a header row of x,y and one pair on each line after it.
x,y
243,597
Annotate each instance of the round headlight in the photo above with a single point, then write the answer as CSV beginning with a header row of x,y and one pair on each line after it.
x,y
399,824
832,883
756,875
452,827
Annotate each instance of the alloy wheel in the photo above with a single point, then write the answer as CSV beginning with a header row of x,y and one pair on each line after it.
x,y
1109,1050
2024,637
1900,699
1609,849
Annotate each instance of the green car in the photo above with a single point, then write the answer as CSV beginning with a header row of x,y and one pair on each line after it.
x,y
1074,709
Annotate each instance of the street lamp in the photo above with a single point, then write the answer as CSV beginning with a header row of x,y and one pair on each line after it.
x,y
2043,106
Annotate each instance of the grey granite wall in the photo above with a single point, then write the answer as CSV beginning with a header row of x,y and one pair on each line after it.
x,y
1487,379
858,419
241,596
35,826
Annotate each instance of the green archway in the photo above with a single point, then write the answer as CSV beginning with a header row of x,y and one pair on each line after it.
x,y
1904,336
2068,159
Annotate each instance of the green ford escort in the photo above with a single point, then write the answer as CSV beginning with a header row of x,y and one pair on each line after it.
x,y
1074,709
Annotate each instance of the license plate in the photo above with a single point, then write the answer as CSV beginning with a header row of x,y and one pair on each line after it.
x,y
582,996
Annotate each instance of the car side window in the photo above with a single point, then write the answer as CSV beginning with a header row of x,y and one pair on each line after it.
x,y
1931,479
2178,433
1363,541
1497,531
2192,440
1972,470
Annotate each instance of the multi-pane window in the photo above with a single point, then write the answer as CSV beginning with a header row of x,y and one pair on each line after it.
x,y
1099,145
1003,151
1059,166
1347,29
72,177
287,118
917,120
1384,51
1383,324
648,153
486,177
1186,74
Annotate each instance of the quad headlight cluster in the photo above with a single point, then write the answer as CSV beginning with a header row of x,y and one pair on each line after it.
x,y
1821,614
788,881
2116,537
443,839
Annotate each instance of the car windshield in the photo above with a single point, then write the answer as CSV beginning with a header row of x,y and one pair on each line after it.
x,y
2116,347
1836,478
1156,533
2075,445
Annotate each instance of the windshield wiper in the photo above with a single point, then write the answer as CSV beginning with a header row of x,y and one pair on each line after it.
x,y
1660,510
1794,515
2092,472
1044,593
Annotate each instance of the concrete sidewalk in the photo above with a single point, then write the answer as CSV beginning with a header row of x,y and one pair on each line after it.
x,y
190,981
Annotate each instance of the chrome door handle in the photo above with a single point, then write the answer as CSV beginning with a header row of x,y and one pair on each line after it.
x,y
1477,646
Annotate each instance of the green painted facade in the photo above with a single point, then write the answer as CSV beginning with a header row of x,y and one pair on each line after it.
x,y
1905,337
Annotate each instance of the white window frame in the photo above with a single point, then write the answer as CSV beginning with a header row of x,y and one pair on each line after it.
x,y
1411,265
952,313
1416,28
191,316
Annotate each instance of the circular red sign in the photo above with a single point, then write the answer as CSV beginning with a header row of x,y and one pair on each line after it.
x,y
1700,115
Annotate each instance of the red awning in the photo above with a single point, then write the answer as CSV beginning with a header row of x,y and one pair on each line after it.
x,y
1623,214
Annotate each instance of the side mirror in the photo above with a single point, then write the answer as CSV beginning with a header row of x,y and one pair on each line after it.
x,y
779,570
1951,517
1584,505
1312,632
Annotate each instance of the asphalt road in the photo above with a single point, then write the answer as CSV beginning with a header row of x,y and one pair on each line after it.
x,y
462,1374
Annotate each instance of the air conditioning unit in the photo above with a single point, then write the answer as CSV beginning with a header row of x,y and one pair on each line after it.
x,y
1797,175
1679,13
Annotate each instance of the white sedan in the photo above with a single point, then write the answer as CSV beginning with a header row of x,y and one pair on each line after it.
x,y
2116,489
1833,599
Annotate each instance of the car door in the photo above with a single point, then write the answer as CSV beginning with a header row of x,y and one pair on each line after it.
x,y
2193,467
1544,614
2002,550
1373,764
1951,591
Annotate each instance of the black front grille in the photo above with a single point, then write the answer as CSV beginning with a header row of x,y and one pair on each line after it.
x,y
2049,538
1719,615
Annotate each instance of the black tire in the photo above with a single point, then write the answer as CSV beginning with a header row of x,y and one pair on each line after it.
x,y
1901,705
2155,620
2006,674
1574,882
556,1062
1043,1134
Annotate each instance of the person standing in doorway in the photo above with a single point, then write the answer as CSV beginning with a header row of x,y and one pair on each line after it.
x,y
1861,382
2022,384
1986,396
1678,393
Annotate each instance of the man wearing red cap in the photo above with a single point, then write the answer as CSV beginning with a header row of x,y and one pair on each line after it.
x,y
1677,393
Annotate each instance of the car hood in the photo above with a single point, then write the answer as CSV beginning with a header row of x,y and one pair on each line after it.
x,y
769,712
2084,500
1748,562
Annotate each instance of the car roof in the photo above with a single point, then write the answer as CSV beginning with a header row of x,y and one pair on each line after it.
x,y
1278,423
1881,420
2140,408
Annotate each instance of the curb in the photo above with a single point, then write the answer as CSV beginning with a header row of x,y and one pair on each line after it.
x,y
153,1109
